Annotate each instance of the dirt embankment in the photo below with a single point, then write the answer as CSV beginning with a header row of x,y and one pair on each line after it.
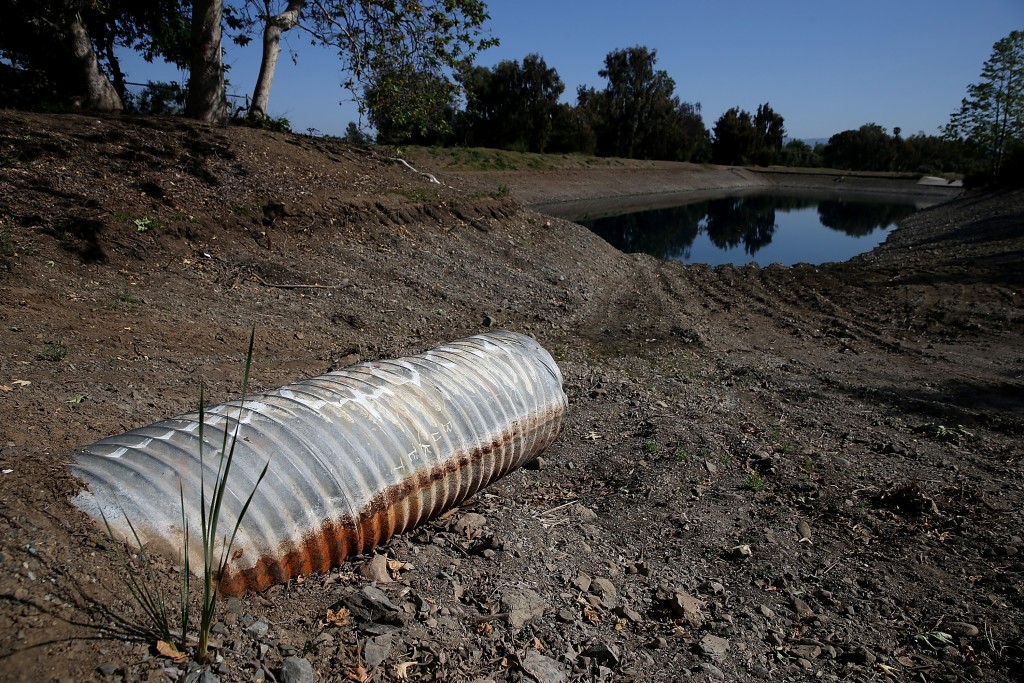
x,y
808,473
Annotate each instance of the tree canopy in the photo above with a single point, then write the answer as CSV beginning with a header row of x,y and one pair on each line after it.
x,y
511,105
59,51
991,117
377,41
741,138
637,114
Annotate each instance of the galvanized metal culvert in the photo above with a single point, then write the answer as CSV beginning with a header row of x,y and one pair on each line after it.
x,y
356,456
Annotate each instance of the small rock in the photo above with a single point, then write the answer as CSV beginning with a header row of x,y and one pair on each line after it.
x,y
602,652
107,668
860,655
296,670
257,629
537,463
802,609
687,607
659,643
803,530
583,582
740,552
543,669
584,513
627,613
566,616
714,647
378,598
805,651
377,650
522,605
376,570
605,589
469,525
713,671
961,628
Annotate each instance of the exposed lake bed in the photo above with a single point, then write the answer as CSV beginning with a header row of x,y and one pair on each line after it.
x,y
768,472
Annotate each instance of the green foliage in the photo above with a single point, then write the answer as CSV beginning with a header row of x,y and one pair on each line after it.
x,y
755,482
734,138
157,98
510,106
991,117
52,351
410,108
355,136
144,223
869,148
210,512
944,433
279,124
637,115
40,72
798,153
651,447
6,242
142,587
743,139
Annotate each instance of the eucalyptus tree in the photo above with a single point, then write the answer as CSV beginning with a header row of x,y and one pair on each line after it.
x,y
373,39
637,114
58,51
991,117
510,105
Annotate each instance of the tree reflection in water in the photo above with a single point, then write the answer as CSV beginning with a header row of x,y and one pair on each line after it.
x,y
751,221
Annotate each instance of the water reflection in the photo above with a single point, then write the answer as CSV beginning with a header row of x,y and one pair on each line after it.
x,y
765,228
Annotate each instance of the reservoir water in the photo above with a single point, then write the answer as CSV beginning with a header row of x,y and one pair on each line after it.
x,y
764,228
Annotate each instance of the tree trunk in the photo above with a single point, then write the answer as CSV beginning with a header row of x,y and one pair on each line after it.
x,y
99,93
276,25
206,98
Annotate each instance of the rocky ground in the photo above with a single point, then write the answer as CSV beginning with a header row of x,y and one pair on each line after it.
x,y
807,473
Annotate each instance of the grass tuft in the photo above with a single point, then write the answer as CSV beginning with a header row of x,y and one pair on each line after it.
x,y
143,588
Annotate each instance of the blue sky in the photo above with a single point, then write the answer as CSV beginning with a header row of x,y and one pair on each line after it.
x,y
824,65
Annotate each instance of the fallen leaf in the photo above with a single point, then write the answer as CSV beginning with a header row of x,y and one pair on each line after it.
x,y
21,382
395,566
165,649
358,673
592,436
4,387
77,398
402,670
537,645
342,617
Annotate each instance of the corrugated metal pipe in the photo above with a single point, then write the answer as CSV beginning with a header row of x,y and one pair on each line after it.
x,y
356,456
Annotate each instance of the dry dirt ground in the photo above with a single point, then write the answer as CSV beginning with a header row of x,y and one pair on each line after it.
x,y
784,474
